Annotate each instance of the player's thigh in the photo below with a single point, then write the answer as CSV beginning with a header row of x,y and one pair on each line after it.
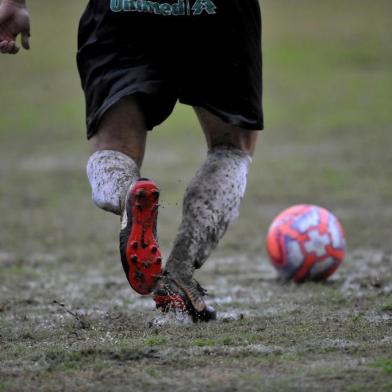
x,y
218,132
122,128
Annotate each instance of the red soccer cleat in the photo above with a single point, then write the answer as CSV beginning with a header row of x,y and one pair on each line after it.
x,y
139,249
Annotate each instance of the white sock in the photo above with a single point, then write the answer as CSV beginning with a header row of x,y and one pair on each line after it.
x,y
211,203
111,173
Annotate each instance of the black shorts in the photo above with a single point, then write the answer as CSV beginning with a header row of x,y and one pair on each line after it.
x,y
203,53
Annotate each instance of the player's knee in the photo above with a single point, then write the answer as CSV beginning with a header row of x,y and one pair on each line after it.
x,y
220,133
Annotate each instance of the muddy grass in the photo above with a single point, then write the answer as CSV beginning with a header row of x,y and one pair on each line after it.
x,y
68,320
84,329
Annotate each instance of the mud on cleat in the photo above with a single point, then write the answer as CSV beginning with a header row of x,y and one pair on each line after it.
x,y
173,294
139,249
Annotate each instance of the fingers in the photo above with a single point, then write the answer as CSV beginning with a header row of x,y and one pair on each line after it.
x,y
26,40
25,33
8,47
14,50
3,16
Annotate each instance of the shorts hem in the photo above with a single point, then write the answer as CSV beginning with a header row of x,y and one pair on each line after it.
x,y
229,118
139,92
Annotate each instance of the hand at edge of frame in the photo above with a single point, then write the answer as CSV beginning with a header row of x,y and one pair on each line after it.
x,y
14,20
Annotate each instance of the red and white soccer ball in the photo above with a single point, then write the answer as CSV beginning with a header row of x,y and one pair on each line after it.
x,y
306,242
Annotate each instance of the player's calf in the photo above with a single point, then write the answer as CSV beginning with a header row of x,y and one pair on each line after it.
x,y
211,204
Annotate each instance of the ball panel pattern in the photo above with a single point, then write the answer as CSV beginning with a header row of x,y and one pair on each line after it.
x,y
306,242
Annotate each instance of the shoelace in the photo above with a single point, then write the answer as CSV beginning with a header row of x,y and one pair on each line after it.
x,y
192,290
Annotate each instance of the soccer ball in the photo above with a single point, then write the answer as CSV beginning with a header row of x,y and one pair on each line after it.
x,y
306,242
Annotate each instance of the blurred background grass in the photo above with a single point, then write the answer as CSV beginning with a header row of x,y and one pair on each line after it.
x,y
328,93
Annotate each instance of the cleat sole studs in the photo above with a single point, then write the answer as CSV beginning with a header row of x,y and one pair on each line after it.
x,y
142,251
134,259
141,193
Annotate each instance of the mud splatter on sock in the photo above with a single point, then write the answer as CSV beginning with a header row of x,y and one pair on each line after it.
x,y
110,174
211,203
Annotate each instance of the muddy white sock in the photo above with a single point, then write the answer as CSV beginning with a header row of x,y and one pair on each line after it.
x,y
110,174
211,203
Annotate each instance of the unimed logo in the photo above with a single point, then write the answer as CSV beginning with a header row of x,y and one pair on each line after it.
x,y
176,8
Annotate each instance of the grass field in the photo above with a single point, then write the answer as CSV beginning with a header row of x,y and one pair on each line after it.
x,y
68,320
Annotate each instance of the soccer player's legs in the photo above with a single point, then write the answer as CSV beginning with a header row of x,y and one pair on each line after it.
x,y
221,78
114,174
117,59
212,199
211,204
